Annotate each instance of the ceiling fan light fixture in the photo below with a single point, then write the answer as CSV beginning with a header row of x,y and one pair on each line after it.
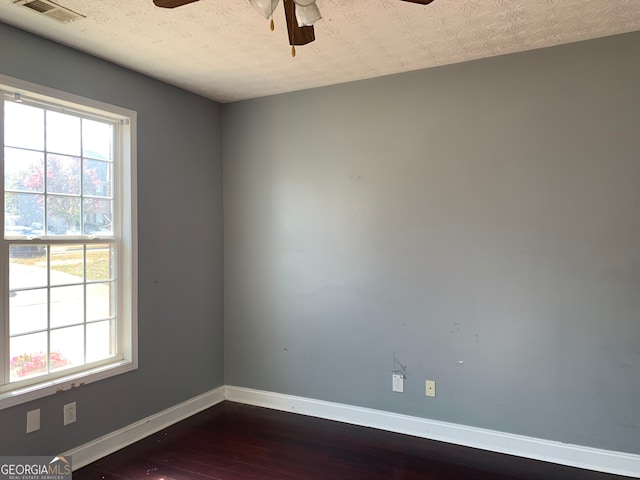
x,y
420,2
307,15
265,7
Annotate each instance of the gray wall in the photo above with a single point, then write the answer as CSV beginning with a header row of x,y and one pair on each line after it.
x,y
485,213
180,248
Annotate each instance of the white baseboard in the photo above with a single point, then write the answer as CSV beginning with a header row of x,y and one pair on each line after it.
x,y
103,446
555,452
549,451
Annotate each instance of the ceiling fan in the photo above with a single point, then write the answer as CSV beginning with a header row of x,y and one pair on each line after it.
x,y
300,16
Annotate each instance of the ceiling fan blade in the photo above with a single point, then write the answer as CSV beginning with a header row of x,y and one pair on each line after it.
x,y
171,3
297,35
421,2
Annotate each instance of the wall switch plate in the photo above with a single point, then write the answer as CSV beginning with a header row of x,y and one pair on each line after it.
x,y
70,413
33,420
430,388
398,382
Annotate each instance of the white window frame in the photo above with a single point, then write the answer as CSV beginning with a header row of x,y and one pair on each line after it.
x,y
125,208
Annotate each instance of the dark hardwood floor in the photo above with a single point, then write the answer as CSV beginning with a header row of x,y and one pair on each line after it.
x,y
238,442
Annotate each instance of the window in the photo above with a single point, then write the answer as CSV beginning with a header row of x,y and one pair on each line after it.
x,y
68,256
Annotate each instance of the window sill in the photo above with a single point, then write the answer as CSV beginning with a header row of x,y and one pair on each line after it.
x,y
69,382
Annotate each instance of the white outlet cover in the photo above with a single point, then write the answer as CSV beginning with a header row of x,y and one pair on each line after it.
x,y
398,382
33,420
430,388
69,413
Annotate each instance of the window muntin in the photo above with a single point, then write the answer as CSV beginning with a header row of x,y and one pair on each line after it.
x,y
69,246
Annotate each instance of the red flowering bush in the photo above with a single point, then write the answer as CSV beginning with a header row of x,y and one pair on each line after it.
x,y
34,363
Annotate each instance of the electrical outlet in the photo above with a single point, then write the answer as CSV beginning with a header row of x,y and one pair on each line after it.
x,y
70,413
430,388
398,382
33,420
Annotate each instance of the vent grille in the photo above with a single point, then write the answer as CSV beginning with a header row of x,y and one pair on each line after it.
x,y
50,9
39,6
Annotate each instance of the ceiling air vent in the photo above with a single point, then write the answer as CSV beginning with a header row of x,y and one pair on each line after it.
x,y
51,9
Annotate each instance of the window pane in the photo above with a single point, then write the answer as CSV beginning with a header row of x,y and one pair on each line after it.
x,y
57,361
23,126
100,340
63,215
67,306
67,264
28,357
96,178
23,170
100,301
24,214
27,311
63,175
97,140
27,266
67,345
98,216
63,133
100,262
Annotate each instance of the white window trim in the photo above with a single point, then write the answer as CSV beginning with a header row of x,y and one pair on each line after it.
x,y
128,253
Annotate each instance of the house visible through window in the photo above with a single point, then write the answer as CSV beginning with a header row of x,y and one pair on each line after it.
x,y
68,252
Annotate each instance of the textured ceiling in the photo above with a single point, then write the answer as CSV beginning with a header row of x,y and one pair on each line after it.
x,y
224,50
